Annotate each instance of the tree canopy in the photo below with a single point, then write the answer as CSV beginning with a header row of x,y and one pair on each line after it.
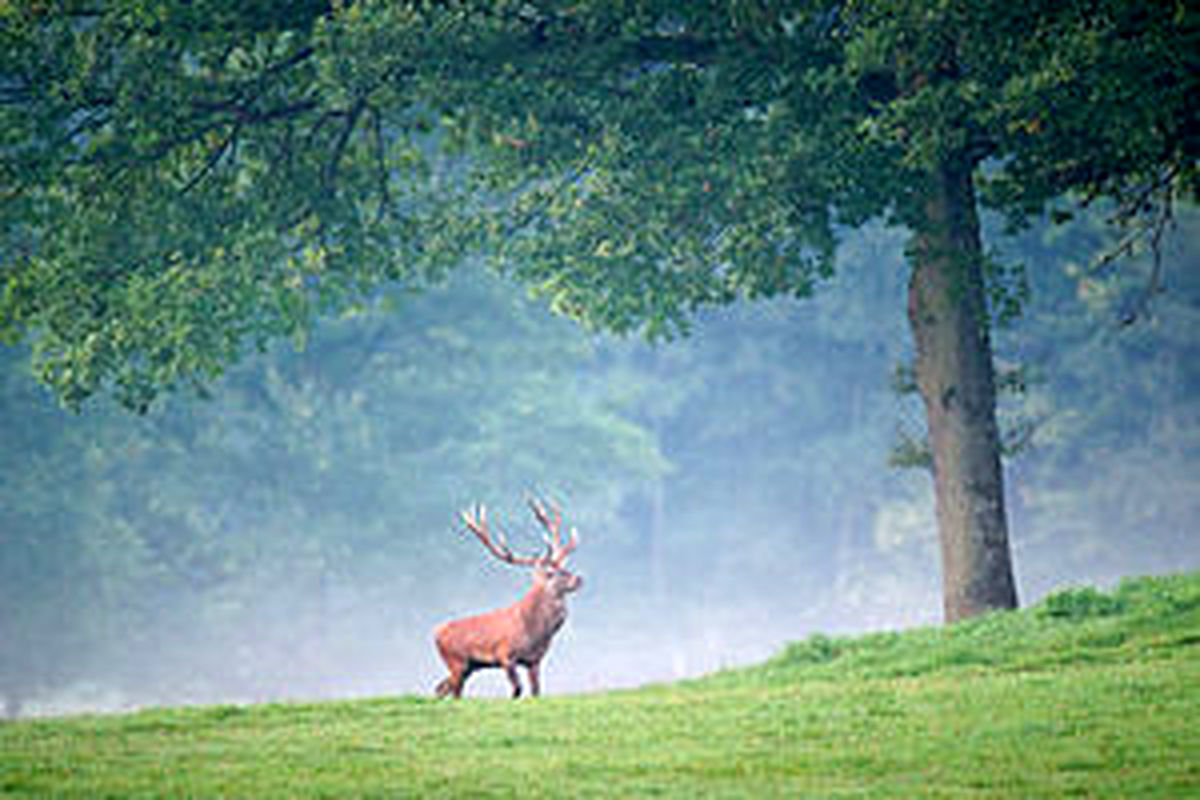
x,y
185,181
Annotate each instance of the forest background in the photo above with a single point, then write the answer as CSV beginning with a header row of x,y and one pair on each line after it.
x,y
294,534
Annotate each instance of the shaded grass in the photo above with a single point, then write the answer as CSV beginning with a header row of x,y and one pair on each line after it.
x,y
1088,694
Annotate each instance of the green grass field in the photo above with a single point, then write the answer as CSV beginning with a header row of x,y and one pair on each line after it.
x,y
1087,694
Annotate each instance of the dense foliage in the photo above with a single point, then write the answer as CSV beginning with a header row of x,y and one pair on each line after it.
x,y
184,181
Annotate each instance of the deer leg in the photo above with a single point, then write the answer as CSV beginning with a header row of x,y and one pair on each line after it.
x,y
510,669
535,687
462,678
453,683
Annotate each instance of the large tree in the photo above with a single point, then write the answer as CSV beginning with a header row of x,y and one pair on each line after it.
x,y
181,180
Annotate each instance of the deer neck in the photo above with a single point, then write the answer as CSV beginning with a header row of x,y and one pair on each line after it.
x,y
541,609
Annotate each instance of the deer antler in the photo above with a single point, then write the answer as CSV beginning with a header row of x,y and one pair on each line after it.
x,y
476,522
552,521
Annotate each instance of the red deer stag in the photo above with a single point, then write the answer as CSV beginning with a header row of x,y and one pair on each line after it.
x,y
521,633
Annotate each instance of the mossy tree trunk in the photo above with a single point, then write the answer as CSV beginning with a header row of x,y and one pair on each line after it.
x,y
948,313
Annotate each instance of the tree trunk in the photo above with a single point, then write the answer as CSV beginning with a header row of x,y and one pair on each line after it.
x,y
948,314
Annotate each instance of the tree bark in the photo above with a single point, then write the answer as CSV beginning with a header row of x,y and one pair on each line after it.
x,y
948,313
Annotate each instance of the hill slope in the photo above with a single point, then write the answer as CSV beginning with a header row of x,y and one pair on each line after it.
x,y
1088,693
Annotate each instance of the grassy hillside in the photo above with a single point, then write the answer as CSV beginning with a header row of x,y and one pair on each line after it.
x,y
1087,694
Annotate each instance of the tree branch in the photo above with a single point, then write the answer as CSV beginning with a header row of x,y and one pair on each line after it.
x,y
1157,198
385,197
213,159
352,115
251,116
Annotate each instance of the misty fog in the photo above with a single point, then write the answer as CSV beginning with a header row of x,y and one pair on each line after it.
x,y
294,536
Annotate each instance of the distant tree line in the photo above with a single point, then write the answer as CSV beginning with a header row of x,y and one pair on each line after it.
x,y
301,519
